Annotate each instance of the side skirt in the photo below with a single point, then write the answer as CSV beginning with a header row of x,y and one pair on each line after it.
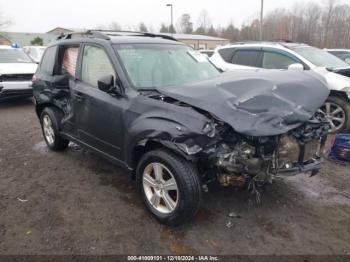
x,y
98,152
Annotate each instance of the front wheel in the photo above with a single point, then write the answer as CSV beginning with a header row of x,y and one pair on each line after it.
x,y
337,111
169,185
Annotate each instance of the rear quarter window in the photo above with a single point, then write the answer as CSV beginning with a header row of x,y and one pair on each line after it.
x,y
226,54
48,60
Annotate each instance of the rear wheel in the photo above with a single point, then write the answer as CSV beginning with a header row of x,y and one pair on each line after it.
x,y
50,124
169,186
337,111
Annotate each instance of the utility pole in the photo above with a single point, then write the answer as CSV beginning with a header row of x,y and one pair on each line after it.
x,y
261,20
171,19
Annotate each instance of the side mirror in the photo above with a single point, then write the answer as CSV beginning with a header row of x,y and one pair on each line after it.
x,y
106,84
297,67
61,81
347,60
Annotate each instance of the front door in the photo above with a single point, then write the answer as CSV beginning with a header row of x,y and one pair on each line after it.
x,y
97,114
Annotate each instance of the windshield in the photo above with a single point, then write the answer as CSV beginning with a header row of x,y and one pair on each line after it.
x,y
320,57
14,56
158,65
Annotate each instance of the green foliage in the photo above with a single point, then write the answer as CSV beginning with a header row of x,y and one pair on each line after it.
x,y
37,41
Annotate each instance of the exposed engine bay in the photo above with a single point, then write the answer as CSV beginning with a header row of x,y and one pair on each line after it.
x,y
240,159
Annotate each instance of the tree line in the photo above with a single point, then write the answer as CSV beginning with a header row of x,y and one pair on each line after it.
x,y
323,24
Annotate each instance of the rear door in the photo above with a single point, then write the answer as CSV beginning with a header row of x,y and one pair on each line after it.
x,y
45,72
98,115
247,58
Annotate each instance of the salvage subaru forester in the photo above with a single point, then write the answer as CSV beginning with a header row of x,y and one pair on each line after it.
x,y
165,113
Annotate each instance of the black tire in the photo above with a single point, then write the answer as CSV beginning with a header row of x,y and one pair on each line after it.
x,y
188,184
55,115
346,107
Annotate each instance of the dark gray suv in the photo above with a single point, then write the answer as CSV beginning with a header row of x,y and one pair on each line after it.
x,y
161,110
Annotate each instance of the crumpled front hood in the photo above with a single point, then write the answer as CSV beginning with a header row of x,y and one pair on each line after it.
x,y
259,102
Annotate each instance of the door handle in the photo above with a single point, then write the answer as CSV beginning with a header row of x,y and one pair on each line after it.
x,y
79,96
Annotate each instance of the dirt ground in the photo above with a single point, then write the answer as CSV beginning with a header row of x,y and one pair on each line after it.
x,y
77,203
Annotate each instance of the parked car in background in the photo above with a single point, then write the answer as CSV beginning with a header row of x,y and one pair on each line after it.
x,y
166,114
295,56
16,72
35,52
343,54
206,52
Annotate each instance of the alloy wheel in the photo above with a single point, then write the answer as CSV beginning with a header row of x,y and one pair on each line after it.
x,y
160,188
334,114
48,130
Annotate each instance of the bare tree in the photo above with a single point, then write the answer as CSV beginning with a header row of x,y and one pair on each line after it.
x,y
277,25
230,32
312,22
143,27
212,31
164,28
185,24
327,19
113,26
4,22
250,31
204,20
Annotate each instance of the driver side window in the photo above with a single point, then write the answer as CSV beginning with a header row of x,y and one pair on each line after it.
x,y
95,64
272,60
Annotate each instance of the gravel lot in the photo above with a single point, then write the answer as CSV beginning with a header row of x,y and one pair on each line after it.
x,y
77,203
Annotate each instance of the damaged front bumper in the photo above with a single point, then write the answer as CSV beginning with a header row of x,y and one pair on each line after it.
x,y
261,159
312,166
309,158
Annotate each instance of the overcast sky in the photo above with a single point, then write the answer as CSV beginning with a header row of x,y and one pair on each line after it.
x,y
43,15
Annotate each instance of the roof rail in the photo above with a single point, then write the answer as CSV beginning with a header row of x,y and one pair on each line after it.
x,y
104,34
134,33
283,41
88,33
254,42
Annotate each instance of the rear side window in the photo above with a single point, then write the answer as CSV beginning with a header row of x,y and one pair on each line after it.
x,y
96,64
274,60
226,54
48,60
70,58
247,58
